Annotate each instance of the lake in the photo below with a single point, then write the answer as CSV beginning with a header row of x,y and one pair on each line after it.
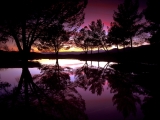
x,y
94,90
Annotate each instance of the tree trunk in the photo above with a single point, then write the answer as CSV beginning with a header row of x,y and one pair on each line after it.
x,y
91,51
26,83
131,42
56,57
117,48
98,63
98,49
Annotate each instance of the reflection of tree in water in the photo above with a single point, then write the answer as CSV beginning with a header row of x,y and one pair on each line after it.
x,y
92,78
151,107
53,96
3,87
149,79
57,85
1,69
122,84
137,78
50,96
124,89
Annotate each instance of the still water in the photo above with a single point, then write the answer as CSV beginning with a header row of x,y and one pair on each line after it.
x,y
104,99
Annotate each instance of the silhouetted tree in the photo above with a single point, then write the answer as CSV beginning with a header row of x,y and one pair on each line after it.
x,y
98,34
3,46
26,24
128,20
153,21
54,39
81,39
92,36
115,37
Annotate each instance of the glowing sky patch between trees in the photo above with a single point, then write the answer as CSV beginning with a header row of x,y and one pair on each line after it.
x,y
96,9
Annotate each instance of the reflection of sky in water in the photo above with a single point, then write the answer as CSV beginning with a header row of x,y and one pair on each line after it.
x,y
12,75
73,63
97,107
100,107
62,62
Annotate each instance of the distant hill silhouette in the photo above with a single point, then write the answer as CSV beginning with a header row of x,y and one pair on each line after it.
x,y
145,53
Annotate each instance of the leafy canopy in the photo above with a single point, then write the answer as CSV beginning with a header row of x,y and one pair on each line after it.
x,y
26,21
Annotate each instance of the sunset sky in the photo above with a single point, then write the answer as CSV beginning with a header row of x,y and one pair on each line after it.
x,y
104,9
100,9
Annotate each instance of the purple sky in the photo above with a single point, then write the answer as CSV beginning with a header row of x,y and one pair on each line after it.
x,y
103,9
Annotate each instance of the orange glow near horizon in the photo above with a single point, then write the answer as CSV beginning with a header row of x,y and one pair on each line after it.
x,y
12,47
72,49
75,49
